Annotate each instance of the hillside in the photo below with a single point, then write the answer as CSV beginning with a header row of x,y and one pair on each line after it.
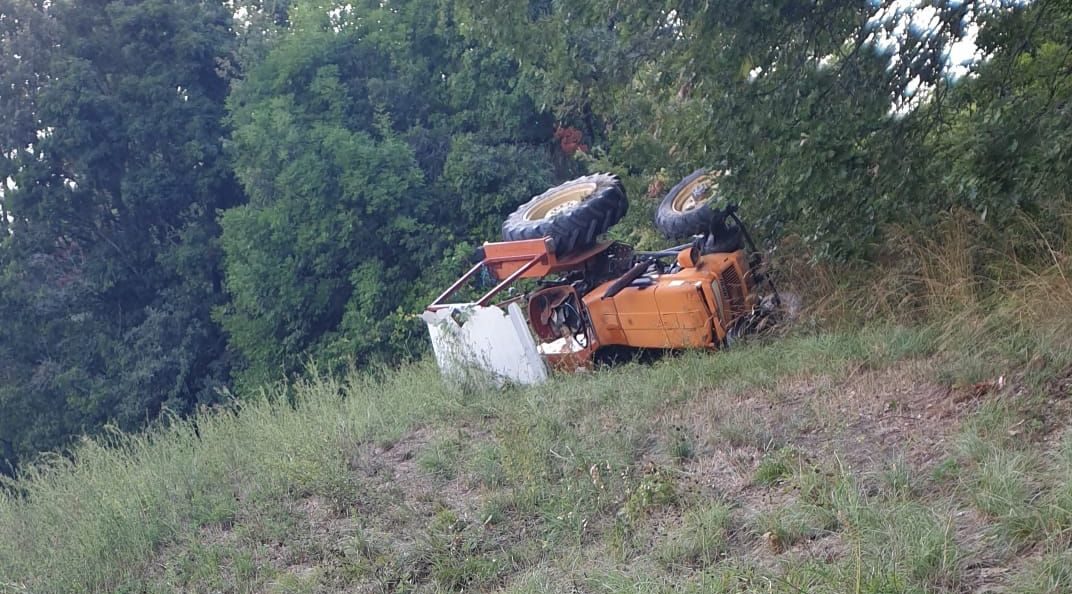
x,y
851,461
202,197
220,219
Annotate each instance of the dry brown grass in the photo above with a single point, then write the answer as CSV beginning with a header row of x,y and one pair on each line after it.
x,y
961,269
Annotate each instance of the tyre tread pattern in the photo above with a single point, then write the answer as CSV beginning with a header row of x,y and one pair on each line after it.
x,y
673,224
577,228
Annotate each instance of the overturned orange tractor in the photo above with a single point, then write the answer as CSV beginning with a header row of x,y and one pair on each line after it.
x,y
561,298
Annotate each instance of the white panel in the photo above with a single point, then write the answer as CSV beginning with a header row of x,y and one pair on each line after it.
x,y
487,339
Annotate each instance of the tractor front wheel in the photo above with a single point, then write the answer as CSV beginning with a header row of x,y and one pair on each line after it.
x,y
690,206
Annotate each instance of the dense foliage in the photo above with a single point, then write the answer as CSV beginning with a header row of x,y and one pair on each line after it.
x,y
827,113
199,197
373,143
113,152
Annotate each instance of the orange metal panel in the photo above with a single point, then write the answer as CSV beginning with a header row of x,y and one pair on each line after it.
x,y
638,317
604,316
509,261
686,318
611,331
709,270
679,310
505,257
668,314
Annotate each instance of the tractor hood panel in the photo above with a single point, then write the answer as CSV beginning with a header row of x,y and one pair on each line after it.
x,y
665,312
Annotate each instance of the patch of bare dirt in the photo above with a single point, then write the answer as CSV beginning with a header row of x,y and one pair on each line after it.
x,y
393,471
826,548
986,570
864,421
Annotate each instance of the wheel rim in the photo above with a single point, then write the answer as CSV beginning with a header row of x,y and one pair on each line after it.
x,y
694,195
560,202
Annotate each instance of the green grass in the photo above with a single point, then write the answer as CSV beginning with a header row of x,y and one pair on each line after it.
x,y
702,539
701,472
775,466
1050,574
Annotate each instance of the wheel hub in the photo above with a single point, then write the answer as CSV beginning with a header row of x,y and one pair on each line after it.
x,y
560,202
561,208
693,196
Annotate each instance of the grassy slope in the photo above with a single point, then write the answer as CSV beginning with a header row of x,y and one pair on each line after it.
x,y
932,455
838,462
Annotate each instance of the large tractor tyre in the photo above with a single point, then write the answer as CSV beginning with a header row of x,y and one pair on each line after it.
x,y
573,214
690,206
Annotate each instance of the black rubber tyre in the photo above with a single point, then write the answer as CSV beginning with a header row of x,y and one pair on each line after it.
x,y
689,207
573,214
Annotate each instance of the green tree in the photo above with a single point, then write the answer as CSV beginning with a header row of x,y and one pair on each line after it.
x,y
1003,142
811,105
115,171
377,148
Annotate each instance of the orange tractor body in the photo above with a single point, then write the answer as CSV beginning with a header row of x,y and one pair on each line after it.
x,y
581,298
693,306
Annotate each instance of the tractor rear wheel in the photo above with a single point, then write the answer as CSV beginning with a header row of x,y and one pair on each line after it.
x,y
573,214
690,206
